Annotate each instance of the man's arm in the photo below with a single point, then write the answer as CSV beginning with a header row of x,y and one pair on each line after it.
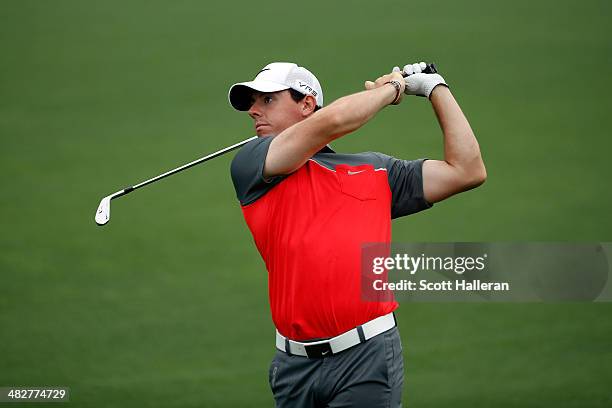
x,y
298,143
462,168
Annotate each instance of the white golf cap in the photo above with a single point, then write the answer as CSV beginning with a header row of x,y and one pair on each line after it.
x,y
275,77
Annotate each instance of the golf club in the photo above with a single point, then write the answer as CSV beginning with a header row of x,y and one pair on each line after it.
x,y
103,213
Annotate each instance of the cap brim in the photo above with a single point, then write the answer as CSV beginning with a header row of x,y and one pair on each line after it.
x,y
240,93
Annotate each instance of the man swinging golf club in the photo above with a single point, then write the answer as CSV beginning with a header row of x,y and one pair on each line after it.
x,y
309,209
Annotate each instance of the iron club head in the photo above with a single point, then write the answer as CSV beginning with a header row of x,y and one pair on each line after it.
x,y
103,213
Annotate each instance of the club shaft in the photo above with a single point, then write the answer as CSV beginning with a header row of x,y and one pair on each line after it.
x,y
188,165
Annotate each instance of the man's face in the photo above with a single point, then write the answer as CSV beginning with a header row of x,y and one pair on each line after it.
x,y
274,112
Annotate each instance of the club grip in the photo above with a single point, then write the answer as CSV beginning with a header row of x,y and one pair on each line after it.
x,y
429,69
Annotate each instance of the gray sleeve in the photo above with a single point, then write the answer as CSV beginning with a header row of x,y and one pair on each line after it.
x,y
406,183
247,171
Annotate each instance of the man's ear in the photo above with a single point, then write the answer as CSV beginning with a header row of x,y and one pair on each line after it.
x,y
309,105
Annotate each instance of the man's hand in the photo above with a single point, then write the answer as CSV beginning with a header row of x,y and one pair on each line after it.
x,y
418,83
395,79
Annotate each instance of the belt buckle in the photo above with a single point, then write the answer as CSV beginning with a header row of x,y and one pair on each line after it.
x,y
319,350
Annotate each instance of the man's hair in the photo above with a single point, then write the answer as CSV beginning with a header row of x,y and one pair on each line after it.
x,y
298,96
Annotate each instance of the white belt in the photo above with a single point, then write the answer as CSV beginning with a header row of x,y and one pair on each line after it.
x,y
335,345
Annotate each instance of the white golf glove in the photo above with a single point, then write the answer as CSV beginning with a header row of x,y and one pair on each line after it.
x,y
418,83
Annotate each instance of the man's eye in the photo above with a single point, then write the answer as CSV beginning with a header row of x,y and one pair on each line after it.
x,y
267,99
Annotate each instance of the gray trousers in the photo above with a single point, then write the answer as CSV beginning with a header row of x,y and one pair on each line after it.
x,y
370,375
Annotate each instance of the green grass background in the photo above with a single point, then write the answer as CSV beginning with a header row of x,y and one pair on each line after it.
x,y
167,305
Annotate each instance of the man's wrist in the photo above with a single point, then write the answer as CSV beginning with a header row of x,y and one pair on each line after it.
x,y
398,91
439,90
387,94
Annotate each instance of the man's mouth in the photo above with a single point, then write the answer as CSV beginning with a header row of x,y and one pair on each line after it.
x,y
258,126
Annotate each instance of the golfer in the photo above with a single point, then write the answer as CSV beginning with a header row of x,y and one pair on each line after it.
x,y
310,209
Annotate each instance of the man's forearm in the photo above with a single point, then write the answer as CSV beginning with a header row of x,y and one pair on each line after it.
x,y
353,111
461,148
296,144
343,116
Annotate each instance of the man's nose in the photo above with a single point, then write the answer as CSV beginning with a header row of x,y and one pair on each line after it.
x,y
254,110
